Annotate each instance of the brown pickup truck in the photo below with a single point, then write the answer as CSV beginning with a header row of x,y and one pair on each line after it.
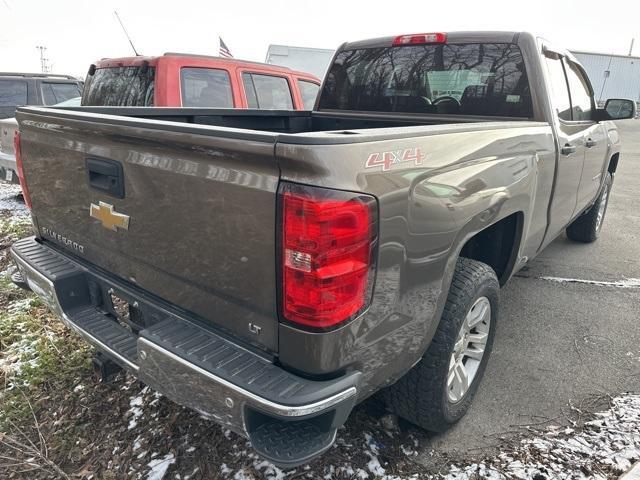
x,y
272,268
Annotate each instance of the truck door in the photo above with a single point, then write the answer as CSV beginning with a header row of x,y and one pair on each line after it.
x,y
595,136
570,145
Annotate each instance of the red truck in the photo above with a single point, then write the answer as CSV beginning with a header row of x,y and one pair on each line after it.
x,y
185,80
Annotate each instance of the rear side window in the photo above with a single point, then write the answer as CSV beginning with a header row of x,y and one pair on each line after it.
x,y
53,93
308,92
558,88
267,92
120,87
487,79
206,87
13,93
581,103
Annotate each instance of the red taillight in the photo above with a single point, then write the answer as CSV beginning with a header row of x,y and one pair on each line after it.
x,y
328,239
23,184
420,39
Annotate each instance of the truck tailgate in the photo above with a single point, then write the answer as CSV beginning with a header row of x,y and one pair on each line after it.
x,y
200,201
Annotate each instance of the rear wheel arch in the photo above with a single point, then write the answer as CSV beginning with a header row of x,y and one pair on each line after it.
x,y
497,245
613,163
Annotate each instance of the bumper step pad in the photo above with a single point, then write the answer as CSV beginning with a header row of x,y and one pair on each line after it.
x,y
289,444
107,330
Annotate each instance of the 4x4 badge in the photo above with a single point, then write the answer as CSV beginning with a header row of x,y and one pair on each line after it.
x,y
110,219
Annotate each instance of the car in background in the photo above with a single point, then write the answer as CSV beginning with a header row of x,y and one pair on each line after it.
x,y
18,89
187,80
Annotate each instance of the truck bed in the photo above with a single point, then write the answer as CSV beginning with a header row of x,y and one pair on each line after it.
x,y
284,121
199,189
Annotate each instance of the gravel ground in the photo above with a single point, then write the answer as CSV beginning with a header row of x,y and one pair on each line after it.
x,y
58,421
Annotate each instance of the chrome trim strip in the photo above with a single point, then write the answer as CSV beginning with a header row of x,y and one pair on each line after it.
x,y
267,405
27,271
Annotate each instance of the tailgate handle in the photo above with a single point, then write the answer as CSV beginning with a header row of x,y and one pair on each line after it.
x,y
106,176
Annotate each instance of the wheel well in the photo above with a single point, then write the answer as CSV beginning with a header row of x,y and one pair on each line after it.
x,y
613,163
497,245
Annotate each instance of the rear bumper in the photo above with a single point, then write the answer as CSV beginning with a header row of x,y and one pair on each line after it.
x,y
7,161
8,168
289,419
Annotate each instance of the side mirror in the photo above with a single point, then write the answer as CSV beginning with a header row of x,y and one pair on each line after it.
x,y
620,108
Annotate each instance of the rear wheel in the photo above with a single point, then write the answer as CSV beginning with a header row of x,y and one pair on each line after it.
x,y
438,391
587,226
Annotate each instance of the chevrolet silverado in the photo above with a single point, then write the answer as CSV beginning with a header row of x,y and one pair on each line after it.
x,y
271,269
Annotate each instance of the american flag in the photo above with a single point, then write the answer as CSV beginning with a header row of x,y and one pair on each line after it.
x,y
224,50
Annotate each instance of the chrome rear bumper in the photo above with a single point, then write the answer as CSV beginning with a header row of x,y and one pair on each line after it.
x,y
192,365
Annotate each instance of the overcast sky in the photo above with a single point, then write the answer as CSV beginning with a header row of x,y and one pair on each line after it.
x,y
76,33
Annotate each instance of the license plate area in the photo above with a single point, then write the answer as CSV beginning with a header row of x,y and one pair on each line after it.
x,y
131,309
127,314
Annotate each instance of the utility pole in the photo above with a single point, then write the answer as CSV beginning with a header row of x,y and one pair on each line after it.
x,y
44,61
631,47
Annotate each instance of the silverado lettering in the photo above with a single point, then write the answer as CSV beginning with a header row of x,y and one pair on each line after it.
x,y
62,239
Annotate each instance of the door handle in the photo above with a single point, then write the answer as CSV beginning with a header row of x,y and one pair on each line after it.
x,y
105,176
590,143
568,149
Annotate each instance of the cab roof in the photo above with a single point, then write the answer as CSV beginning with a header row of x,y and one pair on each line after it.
x,y
452,37
153,60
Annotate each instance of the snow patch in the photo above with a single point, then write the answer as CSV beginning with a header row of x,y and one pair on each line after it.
x,y
19,306
160,466
610,442
624,283
9,200
16,357
136,411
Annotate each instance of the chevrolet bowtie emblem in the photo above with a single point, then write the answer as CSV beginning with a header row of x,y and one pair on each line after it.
x,y
110,219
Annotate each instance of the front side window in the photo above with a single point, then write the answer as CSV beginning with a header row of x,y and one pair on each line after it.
x,y
308,92
487,79
267,92
558,88
53,93
581,101
13,93
206,88
120,87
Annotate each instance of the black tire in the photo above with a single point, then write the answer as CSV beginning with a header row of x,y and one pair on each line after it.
x,y
421,396
585,228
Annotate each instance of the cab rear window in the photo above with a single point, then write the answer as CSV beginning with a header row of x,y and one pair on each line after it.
x,y
486,79
131,86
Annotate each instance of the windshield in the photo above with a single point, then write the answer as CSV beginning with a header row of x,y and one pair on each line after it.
x,y
120,87
487,79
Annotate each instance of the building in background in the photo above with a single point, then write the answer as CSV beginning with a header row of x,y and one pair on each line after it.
x,y
303,59
612,76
